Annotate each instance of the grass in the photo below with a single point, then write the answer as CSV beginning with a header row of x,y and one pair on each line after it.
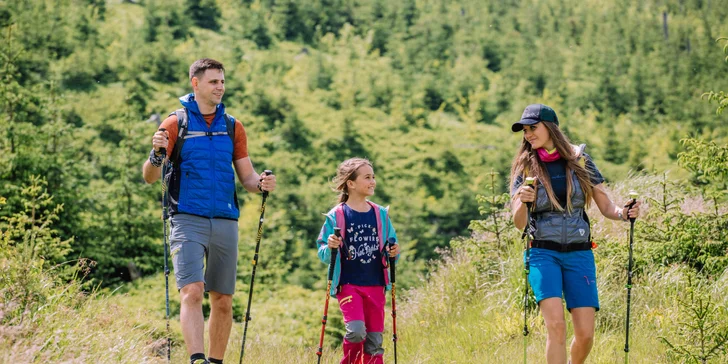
x,y
64,325
467,310
484,324
453,318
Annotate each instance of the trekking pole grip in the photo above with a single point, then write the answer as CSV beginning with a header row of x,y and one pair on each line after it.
x,y
163,151
633,196
267,172
392,260
337,232
529,184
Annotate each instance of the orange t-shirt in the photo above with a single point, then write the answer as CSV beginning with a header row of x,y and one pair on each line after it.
x,y
240,149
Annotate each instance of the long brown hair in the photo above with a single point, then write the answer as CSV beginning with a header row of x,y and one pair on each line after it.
x,y
527,157
348,171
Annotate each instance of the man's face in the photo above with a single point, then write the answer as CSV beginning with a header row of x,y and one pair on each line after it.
x,y
210,87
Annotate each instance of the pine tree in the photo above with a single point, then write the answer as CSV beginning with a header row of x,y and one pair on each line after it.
x,y
204,13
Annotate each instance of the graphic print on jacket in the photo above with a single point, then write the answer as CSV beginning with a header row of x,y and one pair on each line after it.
x,y
362,244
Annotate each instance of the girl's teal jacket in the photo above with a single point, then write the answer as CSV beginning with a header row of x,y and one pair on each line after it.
x,y
335,218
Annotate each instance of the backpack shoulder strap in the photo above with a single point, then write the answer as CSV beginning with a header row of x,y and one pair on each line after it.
x,y
182,125
339,214
579,151
230,123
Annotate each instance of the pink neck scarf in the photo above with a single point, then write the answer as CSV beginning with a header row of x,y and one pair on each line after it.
x,y
545,156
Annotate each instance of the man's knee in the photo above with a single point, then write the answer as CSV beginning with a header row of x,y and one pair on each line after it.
x,y
373,346
192,294
356,332
222,303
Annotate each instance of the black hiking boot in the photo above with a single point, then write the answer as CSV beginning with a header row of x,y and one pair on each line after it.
x,y
198,358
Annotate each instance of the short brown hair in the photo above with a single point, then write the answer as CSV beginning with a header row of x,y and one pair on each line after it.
x,y
201,65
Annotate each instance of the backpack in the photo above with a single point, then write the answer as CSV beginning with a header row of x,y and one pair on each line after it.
x,y
183,133
582,162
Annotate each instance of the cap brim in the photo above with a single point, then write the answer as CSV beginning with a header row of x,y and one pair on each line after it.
x,y
516,127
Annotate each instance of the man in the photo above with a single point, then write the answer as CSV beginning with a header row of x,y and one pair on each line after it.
x,y
203,205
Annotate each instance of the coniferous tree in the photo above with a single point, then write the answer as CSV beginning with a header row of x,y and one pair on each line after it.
x,y
204,13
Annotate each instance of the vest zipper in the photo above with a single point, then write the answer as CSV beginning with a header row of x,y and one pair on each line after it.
x,y
563,220
213,169
563,229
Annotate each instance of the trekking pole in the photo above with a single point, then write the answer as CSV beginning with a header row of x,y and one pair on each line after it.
x,y
392,271
633,196
255,264
332,264
526,270
165,217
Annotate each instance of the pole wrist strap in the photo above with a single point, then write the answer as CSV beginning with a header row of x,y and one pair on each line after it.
x,y
154,159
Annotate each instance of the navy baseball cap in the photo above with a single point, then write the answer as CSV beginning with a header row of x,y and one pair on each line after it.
x,y
535,113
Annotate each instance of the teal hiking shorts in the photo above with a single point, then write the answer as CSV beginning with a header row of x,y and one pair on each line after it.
x,y
571,276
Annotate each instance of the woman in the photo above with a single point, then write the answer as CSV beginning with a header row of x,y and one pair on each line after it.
x,y
561,260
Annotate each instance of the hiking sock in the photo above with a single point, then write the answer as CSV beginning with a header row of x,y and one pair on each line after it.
x,y
198,358
215,361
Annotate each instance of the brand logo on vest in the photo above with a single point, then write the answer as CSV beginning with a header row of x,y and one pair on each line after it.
x,y
582,232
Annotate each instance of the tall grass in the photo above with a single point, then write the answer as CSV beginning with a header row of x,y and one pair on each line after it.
x,y
60,323
468,315
467,310
454,320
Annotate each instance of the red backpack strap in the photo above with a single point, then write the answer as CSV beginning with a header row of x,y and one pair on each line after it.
x,y
340,222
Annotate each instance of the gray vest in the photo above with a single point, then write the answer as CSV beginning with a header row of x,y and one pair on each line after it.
x,y
561,227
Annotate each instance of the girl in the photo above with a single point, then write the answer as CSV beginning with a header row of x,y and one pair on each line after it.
x,y
561,260
360,274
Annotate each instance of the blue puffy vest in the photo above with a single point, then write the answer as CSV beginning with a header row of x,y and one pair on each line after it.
x,y
202,181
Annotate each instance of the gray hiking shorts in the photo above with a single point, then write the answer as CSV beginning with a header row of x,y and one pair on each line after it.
x,y
204,250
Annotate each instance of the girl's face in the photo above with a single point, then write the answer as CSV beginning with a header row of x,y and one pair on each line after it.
x,y
364,183
538,136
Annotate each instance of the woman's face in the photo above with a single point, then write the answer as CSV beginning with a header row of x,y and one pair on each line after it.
x,y
538,136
